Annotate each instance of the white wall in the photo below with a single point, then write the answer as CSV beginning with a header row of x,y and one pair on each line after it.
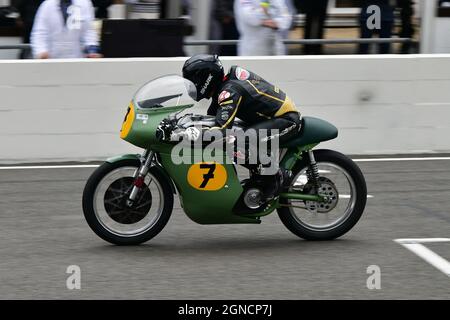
x,y
73,110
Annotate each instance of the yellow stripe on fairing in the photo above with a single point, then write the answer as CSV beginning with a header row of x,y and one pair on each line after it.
x,y
128,122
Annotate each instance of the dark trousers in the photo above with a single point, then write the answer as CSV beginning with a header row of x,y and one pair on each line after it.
x,y
316,14
26,53
384,32
283,128
286,126
229,32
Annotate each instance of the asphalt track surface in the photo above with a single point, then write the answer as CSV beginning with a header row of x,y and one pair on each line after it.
x,y
42,232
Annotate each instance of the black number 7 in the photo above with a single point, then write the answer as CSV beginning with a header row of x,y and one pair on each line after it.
x,y
206,177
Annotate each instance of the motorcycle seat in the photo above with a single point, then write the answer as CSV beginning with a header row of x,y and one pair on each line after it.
x,y
313,130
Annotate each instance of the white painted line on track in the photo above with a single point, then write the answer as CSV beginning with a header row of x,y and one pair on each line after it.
x,y
81,166
416,246
422,240
401,159
75,166
347,196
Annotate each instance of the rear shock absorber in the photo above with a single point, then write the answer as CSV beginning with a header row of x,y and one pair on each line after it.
x,y
313,171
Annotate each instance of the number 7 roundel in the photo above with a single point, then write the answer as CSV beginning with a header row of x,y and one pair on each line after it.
x,y
207,176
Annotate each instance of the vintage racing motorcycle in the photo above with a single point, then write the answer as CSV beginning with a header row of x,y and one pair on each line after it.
x,y
129,199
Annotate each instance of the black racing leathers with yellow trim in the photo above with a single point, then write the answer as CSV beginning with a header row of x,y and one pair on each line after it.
x,y
261,105
247,96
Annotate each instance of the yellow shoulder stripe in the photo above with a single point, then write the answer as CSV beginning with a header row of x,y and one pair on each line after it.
x,y
265,94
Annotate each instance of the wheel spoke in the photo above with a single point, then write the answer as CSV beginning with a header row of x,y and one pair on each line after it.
x,y
333,179
143,204
112,211
114,204
109,200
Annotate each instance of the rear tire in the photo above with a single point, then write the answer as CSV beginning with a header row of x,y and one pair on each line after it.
x,y
289,219
92,218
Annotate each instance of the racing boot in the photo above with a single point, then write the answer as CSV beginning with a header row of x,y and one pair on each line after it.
x,y
273,185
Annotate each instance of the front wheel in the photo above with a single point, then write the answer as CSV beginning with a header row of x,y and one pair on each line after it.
x,y
105,203
341,181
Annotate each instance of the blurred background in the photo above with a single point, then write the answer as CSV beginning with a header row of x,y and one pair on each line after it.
x,y
164,28
380,74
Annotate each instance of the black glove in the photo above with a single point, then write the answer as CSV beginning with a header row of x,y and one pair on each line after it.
x,y
165,128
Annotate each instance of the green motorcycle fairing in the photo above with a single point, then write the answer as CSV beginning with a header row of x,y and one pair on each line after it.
x,y
202,206
206,205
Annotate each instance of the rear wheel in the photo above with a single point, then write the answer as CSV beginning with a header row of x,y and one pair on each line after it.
x,y
342,182
105,203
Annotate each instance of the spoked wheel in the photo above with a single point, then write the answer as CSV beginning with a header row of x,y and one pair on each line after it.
x,y
110,216
115,200
343,186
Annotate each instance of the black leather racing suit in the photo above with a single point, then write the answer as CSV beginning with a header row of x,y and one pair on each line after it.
x,y
261,105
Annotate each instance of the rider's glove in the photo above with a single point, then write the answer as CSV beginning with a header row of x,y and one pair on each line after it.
x,y
230,139
190,134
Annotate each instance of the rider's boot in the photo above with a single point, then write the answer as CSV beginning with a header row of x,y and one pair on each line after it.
x,y
273,184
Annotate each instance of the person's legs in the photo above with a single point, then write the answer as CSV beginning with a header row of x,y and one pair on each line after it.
x,y
407,29
321,18
229,32
364,33
282,128
321,15
385,32
307,29
316,12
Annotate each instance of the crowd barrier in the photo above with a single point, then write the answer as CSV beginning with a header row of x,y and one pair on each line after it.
x,y
72,110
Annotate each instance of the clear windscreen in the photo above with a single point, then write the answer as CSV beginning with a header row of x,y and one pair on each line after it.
x,y
167,91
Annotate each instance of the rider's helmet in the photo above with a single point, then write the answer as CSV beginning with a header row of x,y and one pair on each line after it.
x,y
206,72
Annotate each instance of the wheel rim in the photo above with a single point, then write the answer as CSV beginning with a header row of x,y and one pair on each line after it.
x,y
109,203
342,208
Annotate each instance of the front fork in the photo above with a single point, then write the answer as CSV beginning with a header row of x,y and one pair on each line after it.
x,y
139,178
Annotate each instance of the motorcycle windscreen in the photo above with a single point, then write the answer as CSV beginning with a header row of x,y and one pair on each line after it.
x,y
164,92
153,102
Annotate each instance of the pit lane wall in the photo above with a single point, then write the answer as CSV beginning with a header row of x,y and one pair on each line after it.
x,y
72,110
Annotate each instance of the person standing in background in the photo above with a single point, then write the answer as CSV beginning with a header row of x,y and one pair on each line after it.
x,y
27,10
64,29
224,14
260,24
387,8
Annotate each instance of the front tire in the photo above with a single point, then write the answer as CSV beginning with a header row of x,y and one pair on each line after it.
x,y
357,197
103,203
